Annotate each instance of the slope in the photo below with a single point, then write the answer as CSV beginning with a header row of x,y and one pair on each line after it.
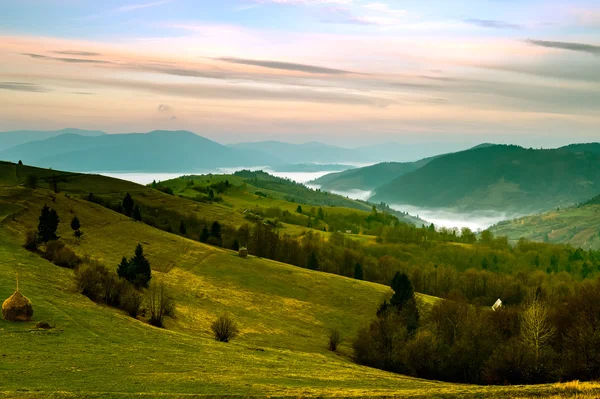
x,y
502,178
157,151
95,351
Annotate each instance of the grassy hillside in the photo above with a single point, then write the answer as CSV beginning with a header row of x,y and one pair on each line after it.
x,y
503,178
95,351
578,226
262,193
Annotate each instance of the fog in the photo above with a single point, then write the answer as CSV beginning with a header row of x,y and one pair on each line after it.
x,y
148,177
356,194
476,221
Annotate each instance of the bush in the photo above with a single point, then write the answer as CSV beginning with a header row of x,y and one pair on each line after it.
x,y
132,301
160,304
335,338
89,279
60,255
224,329
31,240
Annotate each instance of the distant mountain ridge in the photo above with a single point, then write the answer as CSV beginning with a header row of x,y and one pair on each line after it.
x,y
18,137
499,177
157,151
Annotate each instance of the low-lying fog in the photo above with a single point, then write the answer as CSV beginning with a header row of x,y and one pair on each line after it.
x,y
356,194
479,220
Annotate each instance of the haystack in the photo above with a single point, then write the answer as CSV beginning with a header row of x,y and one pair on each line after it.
x,y
243,252
17,308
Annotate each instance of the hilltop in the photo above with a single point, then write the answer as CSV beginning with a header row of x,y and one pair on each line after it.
x,y
500,177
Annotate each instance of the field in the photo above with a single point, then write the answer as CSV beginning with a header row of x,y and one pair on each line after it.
x,y
284,313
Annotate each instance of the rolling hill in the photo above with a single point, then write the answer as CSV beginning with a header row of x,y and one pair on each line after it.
x,y
500,177
577,225
18,137
157,151
284,313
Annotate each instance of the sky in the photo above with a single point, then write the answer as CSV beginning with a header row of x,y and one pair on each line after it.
x,y
346,72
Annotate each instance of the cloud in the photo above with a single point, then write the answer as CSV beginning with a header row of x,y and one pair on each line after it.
x,y
343,15
20,86
80,53
489,23
164,108
303,2
287,66
581,47
132,7
64,59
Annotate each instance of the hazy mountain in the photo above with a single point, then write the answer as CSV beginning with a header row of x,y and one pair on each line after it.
x,y
164,151
370,177
367,178
17,137
500,177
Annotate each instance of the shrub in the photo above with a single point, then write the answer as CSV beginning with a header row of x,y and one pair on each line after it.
x,y
132,301
224,329
89,279
31,240
60,255
335,338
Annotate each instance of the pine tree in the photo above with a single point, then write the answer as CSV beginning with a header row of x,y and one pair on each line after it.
x,y
211,194
137,213
236,245
128,205
358,271
182,229
205,235
320,214
299,209
123,269
75,225
140,268
403,290
48,223
215,230
313,262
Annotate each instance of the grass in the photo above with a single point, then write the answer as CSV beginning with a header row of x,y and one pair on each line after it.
x,y
578,226
284,313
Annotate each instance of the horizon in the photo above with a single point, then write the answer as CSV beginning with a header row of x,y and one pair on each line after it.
x,y
340,71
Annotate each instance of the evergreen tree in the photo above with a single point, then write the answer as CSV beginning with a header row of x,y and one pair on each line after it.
x,y
20,162
128,205
137,213
75,225
358,271
140,268
299,209
236,245
313,262
211,194
123,269
320,214
484,263
205,235
182,228
215,230
48,223
403,290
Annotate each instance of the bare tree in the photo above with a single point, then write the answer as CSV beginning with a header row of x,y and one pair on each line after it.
x,y
335,338
159,303
536,330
